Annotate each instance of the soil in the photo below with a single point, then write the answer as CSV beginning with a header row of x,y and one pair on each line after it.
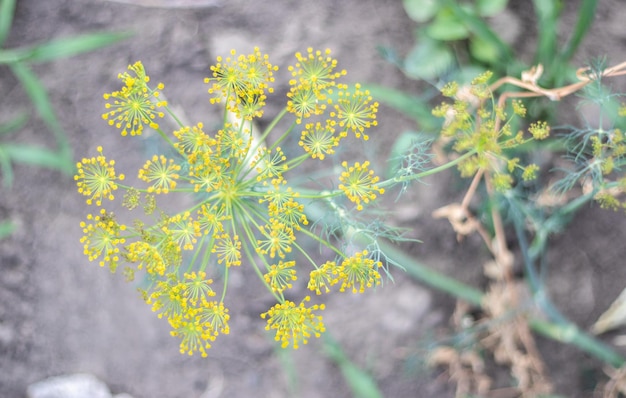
x,y
60,314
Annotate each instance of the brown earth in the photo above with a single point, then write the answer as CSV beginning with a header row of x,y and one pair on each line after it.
x,y
61,314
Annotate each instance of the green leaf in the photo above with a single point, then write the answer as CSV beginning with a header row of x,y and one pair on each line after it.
x,y
484,51
447,27
61,48
428,59
7,170
18,122
7,8
421,10
479,28
412,106
35,156
489,8
39,97
359,381
586,15
6,229
547,12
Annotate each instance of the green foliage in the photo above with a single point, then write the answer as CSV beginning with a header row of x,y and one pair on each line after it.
x,y
455,34
18,60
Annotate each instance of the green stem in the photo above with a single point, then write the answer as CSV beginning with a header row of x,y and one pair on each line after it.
x,y
586,14
565,332
428,172
569,333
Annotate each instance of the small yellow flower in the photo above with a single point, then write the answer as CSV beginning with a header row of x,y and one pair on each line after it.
x,y
270,166
211,218
228,250
197,287
304,102
320,139
355,110
323,277
315,69
96,178
242,82
216,316
194,336
168,299
183,230
193,141
146,256
135,105
102,239
280,276
278,239
291,214
358,270
161,172
539,130
359,183
294,324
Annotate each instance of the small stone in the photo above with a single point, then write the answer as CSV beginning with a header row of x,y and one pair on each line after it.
x,y
70,386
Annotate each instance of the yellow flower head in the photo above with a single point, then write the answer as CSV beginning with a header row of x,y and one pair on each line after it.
x,y
304,102
167,298
228,250
136,104
294,324
323,277
355,110
215,315
102,239
280,276
359,183
277,239
197,287
320,139
147,256
161,172
183,230
96,178
193,141
315,70
358,271
242,81
195,337
270,166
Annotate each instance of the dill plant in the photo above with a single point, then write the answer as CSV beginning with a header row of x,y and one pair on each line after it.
x,y
245,210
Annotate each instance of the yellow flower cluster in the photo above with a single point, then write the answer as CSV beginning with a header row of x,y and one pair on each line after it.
x,y
243,209
476,124
134,105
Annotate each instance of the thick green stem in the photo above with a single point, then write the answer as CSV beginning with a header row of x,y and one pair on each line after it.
x,y
565,332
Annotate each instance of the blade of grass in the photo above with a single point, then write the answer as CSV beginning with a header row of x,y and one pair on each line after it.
x,y
35,156
15,124
7,9
547,13
6,229
61,48
39,97
6,168
586,14
359,381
